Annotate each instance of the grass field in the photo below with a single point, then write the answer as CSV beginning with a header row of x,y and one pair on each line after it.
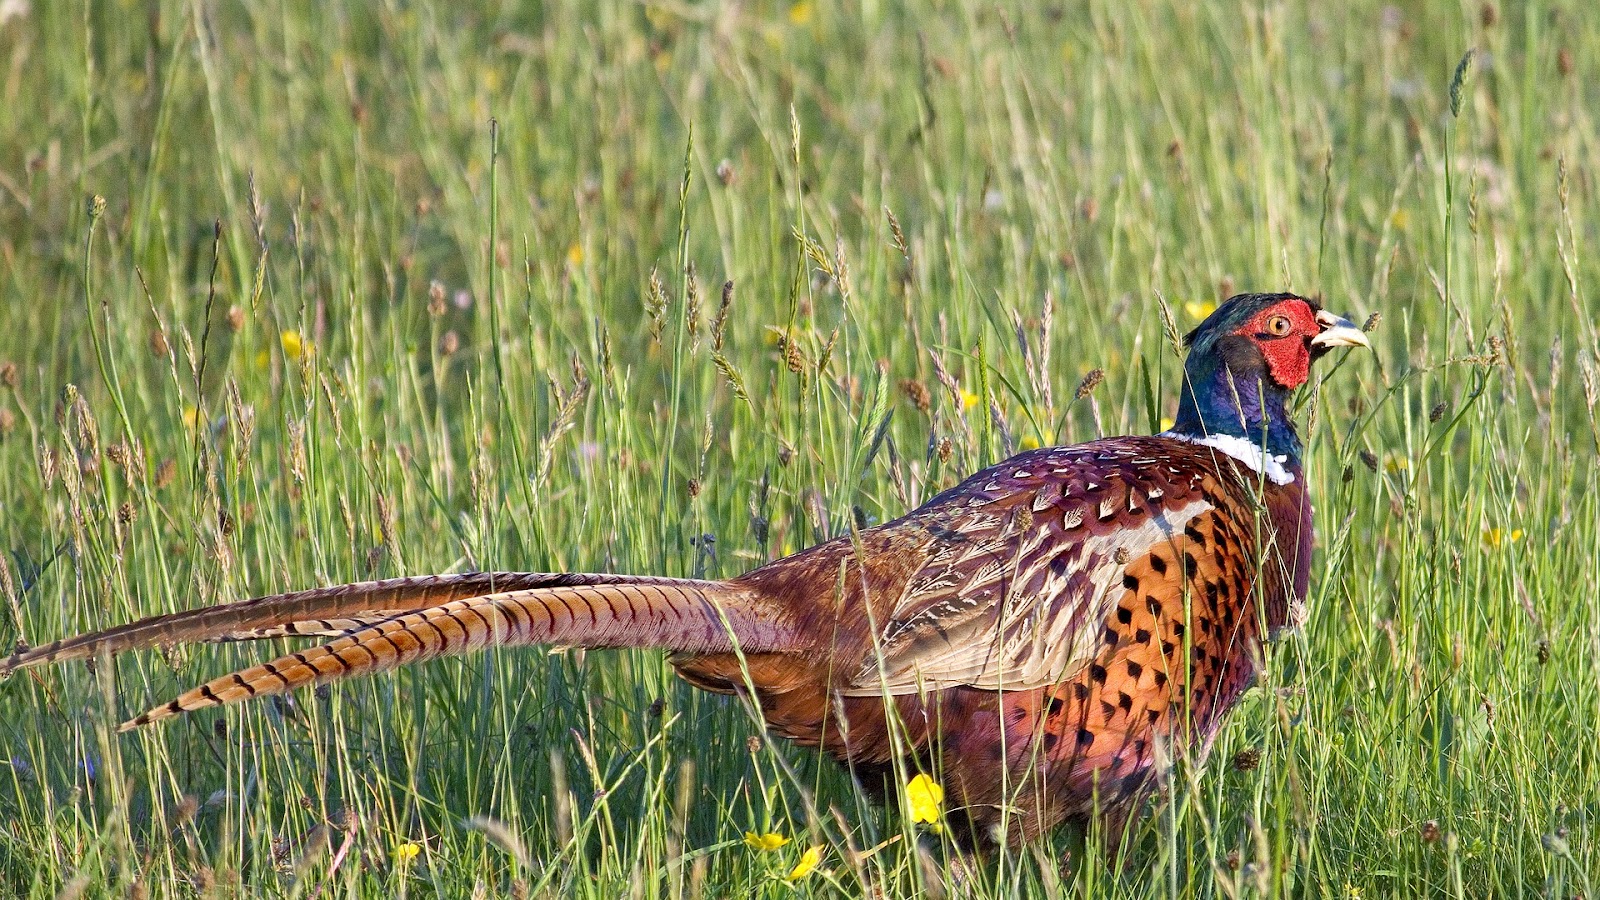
x,y
302,292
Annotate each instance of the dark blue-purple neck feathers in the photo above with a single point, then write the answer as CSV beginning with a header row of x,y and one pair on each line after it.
x,y
1226,388
1247,406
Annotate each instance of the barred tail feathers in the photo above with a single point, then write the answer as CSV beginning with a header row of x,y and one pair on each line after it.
x,y
681,615
323,611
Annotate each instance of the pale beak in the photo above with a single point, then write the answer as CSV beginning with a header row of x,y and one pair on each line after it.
x,y
1338,332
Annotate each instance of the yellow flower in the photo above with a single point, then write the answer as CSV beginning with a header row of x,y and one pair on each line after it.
x,y
1199,309
1494,537
405,852
924,796
808,862
293,346
1167,423
575,254
968,399
191,417
1029,442
766,843
1400,219
800,13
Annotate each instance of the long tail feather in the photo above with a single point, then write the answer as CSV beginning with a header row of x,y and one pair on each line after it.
x,y
320,611
681,615
311,628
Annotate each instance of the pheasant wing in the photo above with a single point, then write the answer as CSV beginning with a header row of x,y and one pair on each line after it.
x,y
1029,560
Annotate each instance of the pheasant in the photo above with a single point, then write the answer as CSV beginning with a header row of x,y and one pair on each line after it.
x,y
1046,634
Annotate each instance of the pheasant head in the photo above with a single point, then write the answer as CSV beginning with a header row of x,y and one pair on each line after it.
x,y
1246,359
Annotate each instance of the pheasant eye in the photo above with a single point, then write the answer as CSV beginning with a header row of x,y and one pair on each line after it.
x,y
1278,326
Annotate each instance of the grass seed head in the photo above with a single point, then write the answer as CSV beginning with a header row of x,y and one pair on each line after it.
x,y
188,807
917,393
691,307
436,303
719,322
47,465
1088,383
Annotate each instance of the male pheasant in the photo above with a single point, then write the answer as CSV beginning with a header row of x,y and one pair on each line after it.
x,y
1044,634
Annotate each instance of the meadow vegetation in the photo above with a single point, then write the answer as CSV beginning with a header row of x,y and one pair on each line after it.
x,y
304,292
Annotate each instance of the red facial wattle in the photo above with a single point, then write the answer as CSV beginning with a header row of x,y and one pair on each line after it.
x,y
1287,355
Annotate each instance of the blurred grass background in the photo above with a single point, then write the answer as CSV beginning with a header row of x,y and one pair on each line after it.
x,y
282,307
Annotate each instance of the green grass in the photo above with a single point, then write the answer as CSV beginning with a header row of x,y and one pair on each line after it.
x,y
892,191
